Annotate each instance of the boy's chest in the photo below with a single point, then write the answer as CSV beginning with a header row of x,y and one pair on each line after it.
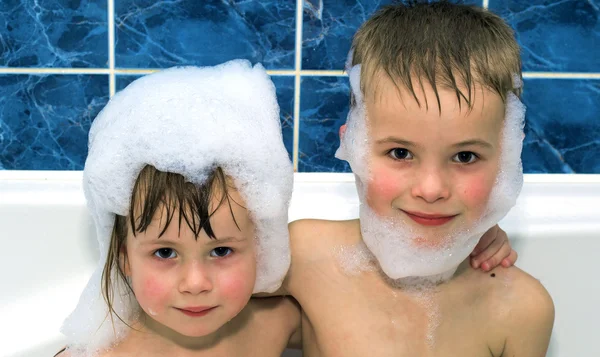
x,y
370,319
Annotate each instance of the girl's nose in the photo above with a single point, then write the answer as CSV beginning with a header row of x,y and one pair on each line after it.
x,y
196,279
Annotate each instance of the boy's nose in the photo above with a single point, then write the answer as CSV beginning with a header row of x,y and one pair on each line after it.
x,y
431,186
196,279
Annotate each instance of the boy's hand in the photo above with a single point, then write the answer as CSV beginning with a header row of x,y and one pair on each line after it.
x,y
492,250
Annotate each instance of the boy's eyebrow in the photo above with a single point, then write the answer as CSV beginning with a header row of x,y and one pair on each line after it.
x,y
395,140
476,142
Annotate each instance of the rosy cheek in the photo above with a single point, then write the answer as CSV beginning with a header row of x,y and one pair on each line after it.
x,y
476,191
152,293
382,189
236,287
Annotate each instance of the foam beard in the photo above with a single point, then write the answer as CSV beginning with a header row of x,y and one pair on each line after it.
x,y
392,239
184,120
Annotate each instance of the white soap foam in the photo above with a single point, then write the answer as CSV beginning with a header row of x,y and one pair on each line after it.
x,y
185,120
355,259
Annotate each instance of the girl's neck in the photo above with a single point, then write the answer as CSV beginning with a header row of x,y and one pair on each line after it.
x,y
148,337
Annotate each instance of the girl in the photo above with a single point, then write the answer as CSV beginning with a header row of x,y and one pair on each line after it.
x,y
188,226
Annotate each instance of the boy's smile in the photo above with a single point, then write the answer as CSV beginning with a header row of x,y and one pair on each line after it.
x,y
429,219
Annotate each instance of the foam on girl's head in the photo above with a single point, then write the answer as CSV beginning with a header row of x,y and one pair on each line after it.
x,y
185,120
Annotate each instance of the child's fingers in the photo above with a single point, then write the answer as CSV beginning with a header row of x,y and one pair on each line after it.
x,y
495,246
499,249
495,260
486,240
510,260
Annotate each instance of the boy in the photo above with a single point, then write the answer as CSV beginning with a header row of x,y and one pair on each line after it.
x,y
434,138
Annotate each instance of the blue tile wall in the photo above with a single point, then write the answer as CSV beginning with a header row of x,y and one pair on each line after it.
x,y
160,34
56,71
323,110
284,86
46,119
562,126
554,35
53,33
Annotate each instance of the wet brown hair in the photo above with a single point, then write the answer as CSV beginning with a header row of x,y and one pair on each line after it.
x,y
155,190
444,44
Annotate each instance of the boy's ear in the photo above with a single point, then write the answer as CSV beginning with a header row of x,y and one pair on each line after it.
x,y
342,131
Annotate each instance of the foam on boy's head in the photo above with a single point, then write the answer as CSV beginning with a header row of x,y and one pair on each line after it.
x,y
186,120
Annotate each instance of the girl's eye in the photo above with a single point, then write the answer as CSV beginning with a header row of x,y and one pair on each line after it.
x,y
465,157
165,253
220,252
400,154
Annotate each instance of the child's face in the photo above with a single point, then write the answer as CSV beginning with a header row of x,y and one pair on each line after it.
x,y
194,286
435,171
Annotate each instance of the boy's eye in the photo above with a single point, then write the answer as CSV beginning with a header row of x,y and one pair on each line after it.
x,y
400,154
220,252
165,253
465,157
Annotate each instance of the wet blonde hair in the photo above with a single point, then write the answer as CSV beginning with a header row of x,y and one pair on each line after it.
x,y
449,45
155,190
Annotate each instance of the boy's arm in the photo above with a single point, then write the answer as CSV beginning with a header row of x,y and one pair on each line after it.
x,y
301,245
492,250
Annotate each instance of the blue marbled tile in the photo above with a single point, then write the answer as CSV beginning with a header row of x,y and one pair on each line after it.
x,y
284,87
328,27
44,120
563,130
324,103
151,34
555,35
53,33
122,81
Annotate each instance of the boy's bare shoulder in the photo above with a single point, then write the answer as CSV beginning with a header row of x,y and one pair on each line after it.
x,y
313,244
275,309
275,318
520,308
322,234
515,288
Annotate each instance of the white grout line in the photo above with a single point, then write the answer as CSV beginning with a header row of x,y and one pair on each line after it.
x,y
301,73
486,4
281,72
21,70
324,73
111,47
561,75
139,71
297,78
